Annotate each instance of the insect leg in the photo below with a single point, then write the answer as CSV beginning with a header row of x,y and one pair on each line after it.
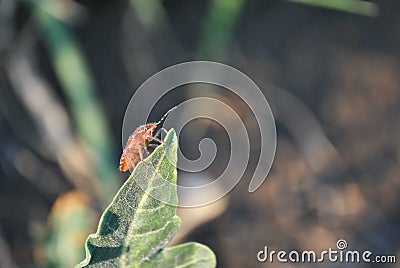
x,y
157,140
158,133
141,154
152,145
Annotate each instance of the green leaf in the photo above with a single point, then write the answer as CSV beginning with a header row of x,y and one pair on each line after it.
x,y
185,255
135,227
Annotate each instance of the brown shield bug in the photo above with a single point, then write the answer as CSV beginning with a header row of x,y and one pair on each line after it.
x,y
136,149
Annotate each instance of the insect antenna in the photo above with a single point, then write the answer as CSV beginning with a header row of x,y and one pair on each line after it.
x,y
165,115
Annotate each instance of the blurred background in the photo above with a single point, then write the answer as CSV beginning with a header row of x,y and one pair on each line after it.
x,y
69,68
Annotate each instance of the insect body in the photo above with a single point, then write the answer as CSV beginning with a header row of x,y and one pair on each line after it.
x,y
136,148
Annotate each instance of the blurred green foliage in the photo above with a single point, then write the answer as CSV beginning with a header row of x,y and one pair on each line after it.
x,y
218,27
150,13
352,6
74,76
63,245
70,216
